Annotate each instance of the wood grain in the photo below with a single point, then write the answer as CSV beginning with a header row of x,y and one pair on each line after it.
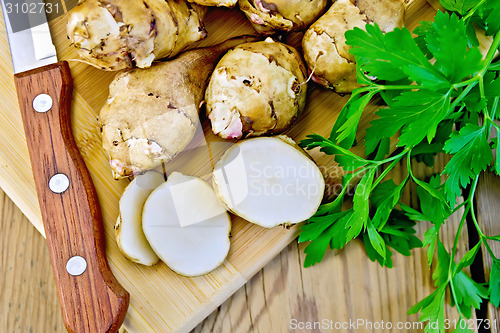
x,y
28,295
488,212
161,301
93,301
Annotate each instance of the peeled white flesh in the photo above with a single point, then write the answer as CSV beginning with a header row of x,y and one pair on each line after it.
x,y
269,181
129,235
186,225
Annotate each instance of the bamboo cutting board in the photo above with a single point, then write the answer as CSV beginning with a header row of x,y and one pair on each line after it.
x,y
162,301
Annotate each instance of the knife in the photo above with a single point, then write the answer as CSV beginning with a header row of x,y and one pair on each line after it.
x,y
91,298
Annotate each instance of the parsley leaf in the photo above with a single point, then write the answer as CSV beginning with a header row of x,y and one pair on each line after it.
x,y
430,238
468,293
392,56
361,205
492,93
381,192
491,16
468,257
447,41
316,250
416,113
432,201
460,6
376,241
432,84
421,30
312,231
398,234
431,309
384,205
472,40
472,155
495,283
373,254
426,152
322,231
344,131
442,269
474,104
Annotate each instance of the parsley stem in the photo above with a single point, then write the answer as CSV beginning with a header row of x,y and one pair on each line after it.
x,y
397,87
386,171
457,237
491,53
471,202
476,224
474,219
473,10
466,82
408,163
462,95
396,157
482,236
395,160
469,207
481,92
458,207
493,123
452,258
487,246
470,83
494,108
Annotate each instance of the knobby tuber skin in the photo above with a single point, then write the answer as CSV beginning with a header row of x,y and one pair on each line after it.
x,y
218,3
119,34
152,114
256,89
267,16
325,50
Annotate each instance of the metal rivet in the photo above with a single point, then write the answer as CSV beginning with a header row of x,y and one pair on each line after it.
x,y
59,183
42,103
76,265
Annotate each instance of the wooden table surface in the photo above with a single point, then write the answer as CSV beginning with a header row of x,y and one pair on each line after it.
x,y
345,287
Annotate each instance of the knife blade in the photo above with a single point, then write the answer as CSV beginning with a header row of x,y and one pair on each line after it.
x,y
30,48
91,298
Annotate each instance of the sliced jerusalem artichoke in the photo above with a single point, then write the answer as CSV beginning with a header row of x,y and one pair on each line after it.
x,y
269,181
186,225
325,50
218,3
256,89
152,114
129,234
267,16
118,34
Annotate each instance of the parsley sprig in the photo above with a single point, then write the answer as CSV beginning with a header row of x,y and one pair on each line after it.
x,y
442,96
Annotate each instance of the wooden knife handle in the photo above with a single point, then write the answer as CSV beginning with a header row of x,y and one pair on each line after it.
x,y
93,301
